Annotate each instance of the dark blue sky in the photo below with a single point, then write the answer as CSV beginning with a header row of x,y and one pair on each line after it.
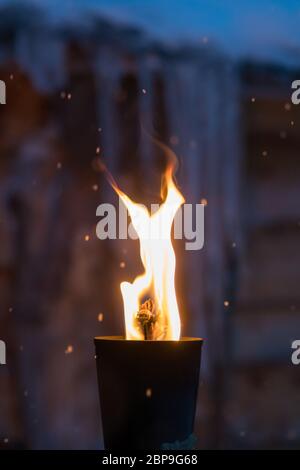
x,y
260,28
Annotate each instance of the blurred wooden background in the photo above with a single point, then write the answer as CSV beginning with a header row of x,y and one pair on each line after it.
x,y
76,94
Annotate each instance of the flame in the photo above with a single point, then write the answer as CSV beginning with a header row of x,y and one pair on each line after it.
x,y
158,258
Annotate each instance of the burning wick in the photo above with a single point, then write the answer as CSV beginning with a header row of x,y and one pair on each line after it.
x,y
146,318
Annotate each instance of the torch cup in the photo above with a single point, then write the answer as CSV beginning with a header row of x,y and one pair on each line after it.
x,y
148,392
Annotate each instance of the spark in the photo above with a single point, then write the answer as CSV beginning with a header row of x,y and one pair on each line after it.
x,y
69,349
149,393
100,317
87,237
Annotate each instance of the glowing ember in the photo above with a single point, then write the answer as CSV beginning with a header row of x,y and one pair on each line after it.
x,y
158,318
100,317
146,319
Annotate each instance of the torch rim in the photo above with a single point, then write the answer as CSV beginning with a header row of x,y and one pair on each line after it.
x,y
184,339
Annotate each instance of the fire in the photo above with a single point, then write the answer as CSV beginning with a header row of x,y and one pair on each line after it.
x,y
160,315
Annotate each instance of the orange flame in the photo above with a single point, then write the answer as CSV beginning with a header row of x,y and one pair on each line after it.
x,y
158,258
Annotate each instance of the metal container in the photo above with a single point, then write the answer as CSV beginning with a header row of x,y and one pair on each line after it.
x,y
148,391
